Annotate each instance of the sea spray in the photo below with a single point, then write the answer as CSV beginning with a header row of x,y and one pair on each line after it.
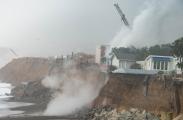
x,y
74,88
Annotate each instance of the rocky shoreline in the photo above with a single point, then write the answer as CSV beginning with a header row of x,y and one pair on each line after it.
x,y
35,92
109,113
99,113
36,110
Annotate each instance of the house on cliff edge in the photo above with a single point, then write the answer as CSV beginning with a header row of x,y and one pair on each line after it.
x,y
161,63
151,65
120,59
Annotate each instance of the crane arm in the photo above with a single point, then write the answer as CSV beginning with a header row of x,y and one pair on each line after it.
x,y
123,18
13,52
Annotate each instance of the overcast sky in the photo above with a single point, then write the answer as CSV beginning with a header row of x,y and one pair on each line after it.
x,y
54,27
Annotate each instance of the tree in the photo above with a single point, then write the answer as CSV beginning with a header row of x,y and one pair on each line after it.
x,y
142,53
177,48
164,49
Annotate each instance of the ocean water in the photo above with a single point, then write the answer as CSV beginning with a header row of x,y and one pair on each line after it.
x,y
5,90
5,107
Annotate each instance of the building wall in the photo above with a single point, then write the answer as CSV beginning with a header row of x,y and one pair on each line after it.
x,y
172,65
178,70
149,65
141,63
100,53
125,64
115,62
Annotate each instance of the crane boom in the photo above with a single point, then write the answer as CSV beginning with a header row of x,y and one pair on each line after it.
x,y
123,18
13,52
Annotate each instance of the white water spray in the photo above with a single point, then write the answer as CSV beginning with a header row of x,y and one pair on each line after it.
x,y
159,22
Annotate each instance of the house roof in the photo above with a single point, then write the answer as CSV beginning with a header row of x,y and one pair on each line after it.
x,y
160,58
121,55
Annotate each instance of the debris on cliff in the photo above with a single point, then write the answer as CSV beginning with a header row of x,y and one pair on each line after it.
x,y
180,117
75,82
109,113
76,87
33,92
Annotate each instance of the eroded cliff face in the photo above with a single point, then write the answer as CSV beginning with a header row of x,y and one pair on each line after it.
x,y
121,90
137,91
25,70
28,69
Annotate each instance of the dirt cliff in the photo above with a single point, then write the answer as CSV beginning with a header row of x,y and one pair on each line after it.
x,y
25,70
139,91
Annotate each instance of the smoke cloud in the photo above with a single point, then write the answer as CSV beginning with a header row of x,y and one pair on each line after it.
x,y
74,89
159,22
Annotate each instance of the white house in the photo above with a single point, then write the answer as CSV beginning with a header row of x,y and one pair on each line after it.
x,y
160,63
122,60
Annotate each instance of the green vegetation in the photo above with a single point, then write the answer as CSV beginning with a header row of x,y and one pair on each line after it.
x,y
173,49
177,48
142,53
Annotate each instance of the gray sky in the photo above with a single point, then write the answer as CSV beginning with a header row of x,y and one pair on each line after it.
x,y
53,27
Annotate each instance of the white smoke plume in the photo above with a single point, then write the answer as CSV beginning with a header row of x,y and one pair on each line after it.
x,y
74,89
159,22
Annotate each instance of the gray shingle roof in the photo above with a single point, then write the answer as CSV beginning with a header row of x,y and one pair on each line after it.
x,y
121,55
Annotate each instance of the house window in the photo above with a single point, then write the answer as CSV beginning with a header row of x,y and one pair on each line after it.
x,y
155,64
162,65
158,65
166,65
122,64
